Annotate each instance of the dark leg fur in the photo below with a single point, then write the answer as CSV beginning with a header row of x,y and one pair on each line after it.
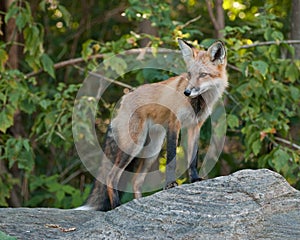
x,y
98,199
193,172
191,138
171,185
171,159
113,197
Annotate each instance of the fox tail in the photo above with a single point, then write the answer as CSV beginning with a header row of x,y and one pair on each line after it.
x,y
98,198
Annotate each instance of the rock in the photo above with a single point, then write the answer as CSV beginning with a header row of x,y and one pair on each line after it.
x,y
249,204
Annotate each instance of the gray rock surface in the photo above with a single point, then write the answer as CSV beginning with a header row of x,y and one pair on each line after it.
x,y
249,204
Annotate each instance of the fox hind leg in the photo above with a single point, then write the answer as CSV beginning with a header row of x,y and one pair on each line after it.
x,y
122,161
150,152
140,175
192,152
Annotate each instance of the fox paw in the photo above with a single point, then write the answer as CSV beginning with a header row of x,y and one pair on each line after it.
x,y
171,185
197,179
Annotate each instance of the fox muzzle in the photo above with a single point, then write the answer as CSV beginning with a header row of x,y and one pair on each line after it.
x,y
193,92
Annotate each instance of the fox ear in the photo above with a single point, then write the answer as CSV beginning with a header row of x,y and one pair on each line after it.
x,y
217,52
186,50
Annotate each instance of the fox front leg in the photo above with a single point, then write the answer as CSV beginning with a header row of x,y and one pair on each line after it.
x,y
193,171
192,152
189,140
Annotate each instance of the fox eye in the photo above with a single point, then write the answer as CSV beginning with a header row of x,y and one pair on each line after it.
x,y
203,74
189,75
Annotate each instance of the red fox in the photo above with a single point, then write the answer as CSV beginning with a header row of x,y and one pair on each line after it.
x,y
153,111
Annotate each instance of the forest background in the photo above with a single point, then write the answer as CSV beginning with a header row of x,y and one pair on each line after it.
x,y
48,47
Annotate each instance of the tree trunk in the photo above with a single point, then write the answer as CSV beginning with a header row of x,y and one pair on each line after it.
x,y
146,27
295,26
220,18
11,36
217,17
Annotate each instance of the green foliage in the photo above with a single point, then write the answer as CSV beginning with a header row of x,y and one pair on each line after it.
x,y
82,125
18,150
54,123
6,183
3,236
159,13
33,34
48,191
267,94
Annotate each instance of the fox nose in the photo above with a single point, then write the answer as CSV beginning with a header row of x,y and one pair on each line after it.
x,y
187,92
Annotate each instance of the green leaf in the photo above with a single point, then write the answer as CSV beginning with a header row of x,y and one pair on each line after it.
x,y
32,40
256,146
295,92
65,14
280,159
117,64
2,97
45,103
292,72
232,121
26,145
42,5
268,34
3,236
68,189
47,64
60,194
276,35
33,62
27,106
261,67
37,200
19,151
26,160
54,186
22,19
6,119
87,49
263,161
36,182
3,59
12,11
15,96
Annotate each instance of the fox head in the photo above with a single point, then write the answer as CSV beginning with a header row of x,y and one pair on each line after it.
x,y
206,69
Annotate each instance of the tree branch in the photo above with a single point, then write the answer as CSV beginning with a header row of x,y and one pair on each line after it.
x,y
287,142
234,67
211,15
75,61
270,43
107,79
190,21
65,63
